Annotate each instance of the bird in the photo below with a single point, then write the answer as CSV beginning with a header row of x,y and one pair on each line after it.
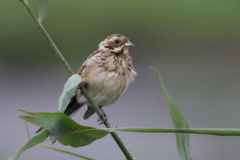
x,y
106,74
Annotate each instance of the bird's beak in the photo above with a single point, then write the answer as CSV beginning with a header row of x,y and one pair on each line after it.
x,y
129,44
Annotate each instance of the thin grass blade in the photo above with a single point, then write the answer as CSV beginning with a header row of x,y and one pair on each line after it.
x,y
42,9
66,152
31,143
183,141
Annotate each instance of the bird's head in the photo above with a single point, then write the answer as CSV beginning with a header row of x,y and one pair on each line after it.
x,y
117,44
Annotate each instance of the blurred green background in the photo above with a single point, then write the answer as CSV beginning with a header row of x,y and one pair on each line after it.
x,y
194,44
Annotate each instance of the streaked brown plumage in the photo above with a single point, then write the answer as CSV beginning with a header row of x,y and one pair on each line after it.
x,y
105,74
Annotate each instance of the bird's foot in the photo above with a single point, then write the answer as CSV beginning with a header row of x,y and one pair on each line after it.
x,y
82,84
105,118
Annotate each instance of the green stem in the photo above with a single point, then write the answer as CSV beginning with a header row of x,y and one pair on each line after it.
x,y
108,125
209,131
52,44
25,3
83,90
50,41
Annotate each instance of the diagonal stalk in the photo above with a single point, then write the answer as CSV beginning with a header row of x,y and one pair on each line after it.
x,y
50,41
83,90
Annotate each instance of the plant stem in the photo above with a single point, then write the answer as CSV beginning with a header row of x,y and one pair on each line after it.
x,y
57,51
108,125
83,90
208,131
50,41
25,3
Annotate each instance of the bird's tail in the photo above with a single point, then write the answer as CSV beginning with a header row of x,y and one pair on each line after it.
x,y
71,110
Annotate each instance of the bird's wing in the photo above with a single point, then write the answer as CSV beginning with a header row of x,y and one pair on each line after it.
x,y
79,72
84,64
73,106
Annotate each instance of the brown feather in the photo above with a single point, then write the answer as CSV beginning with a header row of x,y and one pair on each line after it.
x,y
81,69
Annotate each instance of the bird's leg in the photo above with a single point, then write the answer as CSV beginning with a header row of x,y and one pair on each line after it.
x,y
105,117
82,84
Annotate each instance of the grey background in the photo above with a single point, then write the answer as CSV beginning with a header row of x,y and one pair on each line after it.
x,y
194,44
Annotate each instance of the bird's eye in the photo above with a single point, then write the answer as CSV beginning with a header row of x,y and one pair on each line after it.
x,y
116,41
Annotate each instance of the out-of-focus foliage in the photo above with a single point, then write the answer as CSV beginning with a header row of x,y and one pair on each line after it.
x,y
85,23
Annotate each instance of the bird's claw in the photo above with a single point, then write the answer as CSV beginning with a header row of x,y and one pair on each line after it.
x,y
105,118
82,84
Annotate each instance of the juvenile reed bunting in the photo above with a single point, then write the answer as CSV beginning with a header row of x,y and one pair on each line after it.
x,y
105,74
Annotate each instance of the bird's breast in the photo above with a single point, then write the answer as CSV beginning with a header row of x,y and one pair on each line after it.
x,y
106,79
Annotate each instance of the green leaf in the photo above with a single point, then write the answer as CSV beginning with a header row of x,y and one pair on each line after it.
x,y
67,131
31,143
183,141
63,151
42,9
68,91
